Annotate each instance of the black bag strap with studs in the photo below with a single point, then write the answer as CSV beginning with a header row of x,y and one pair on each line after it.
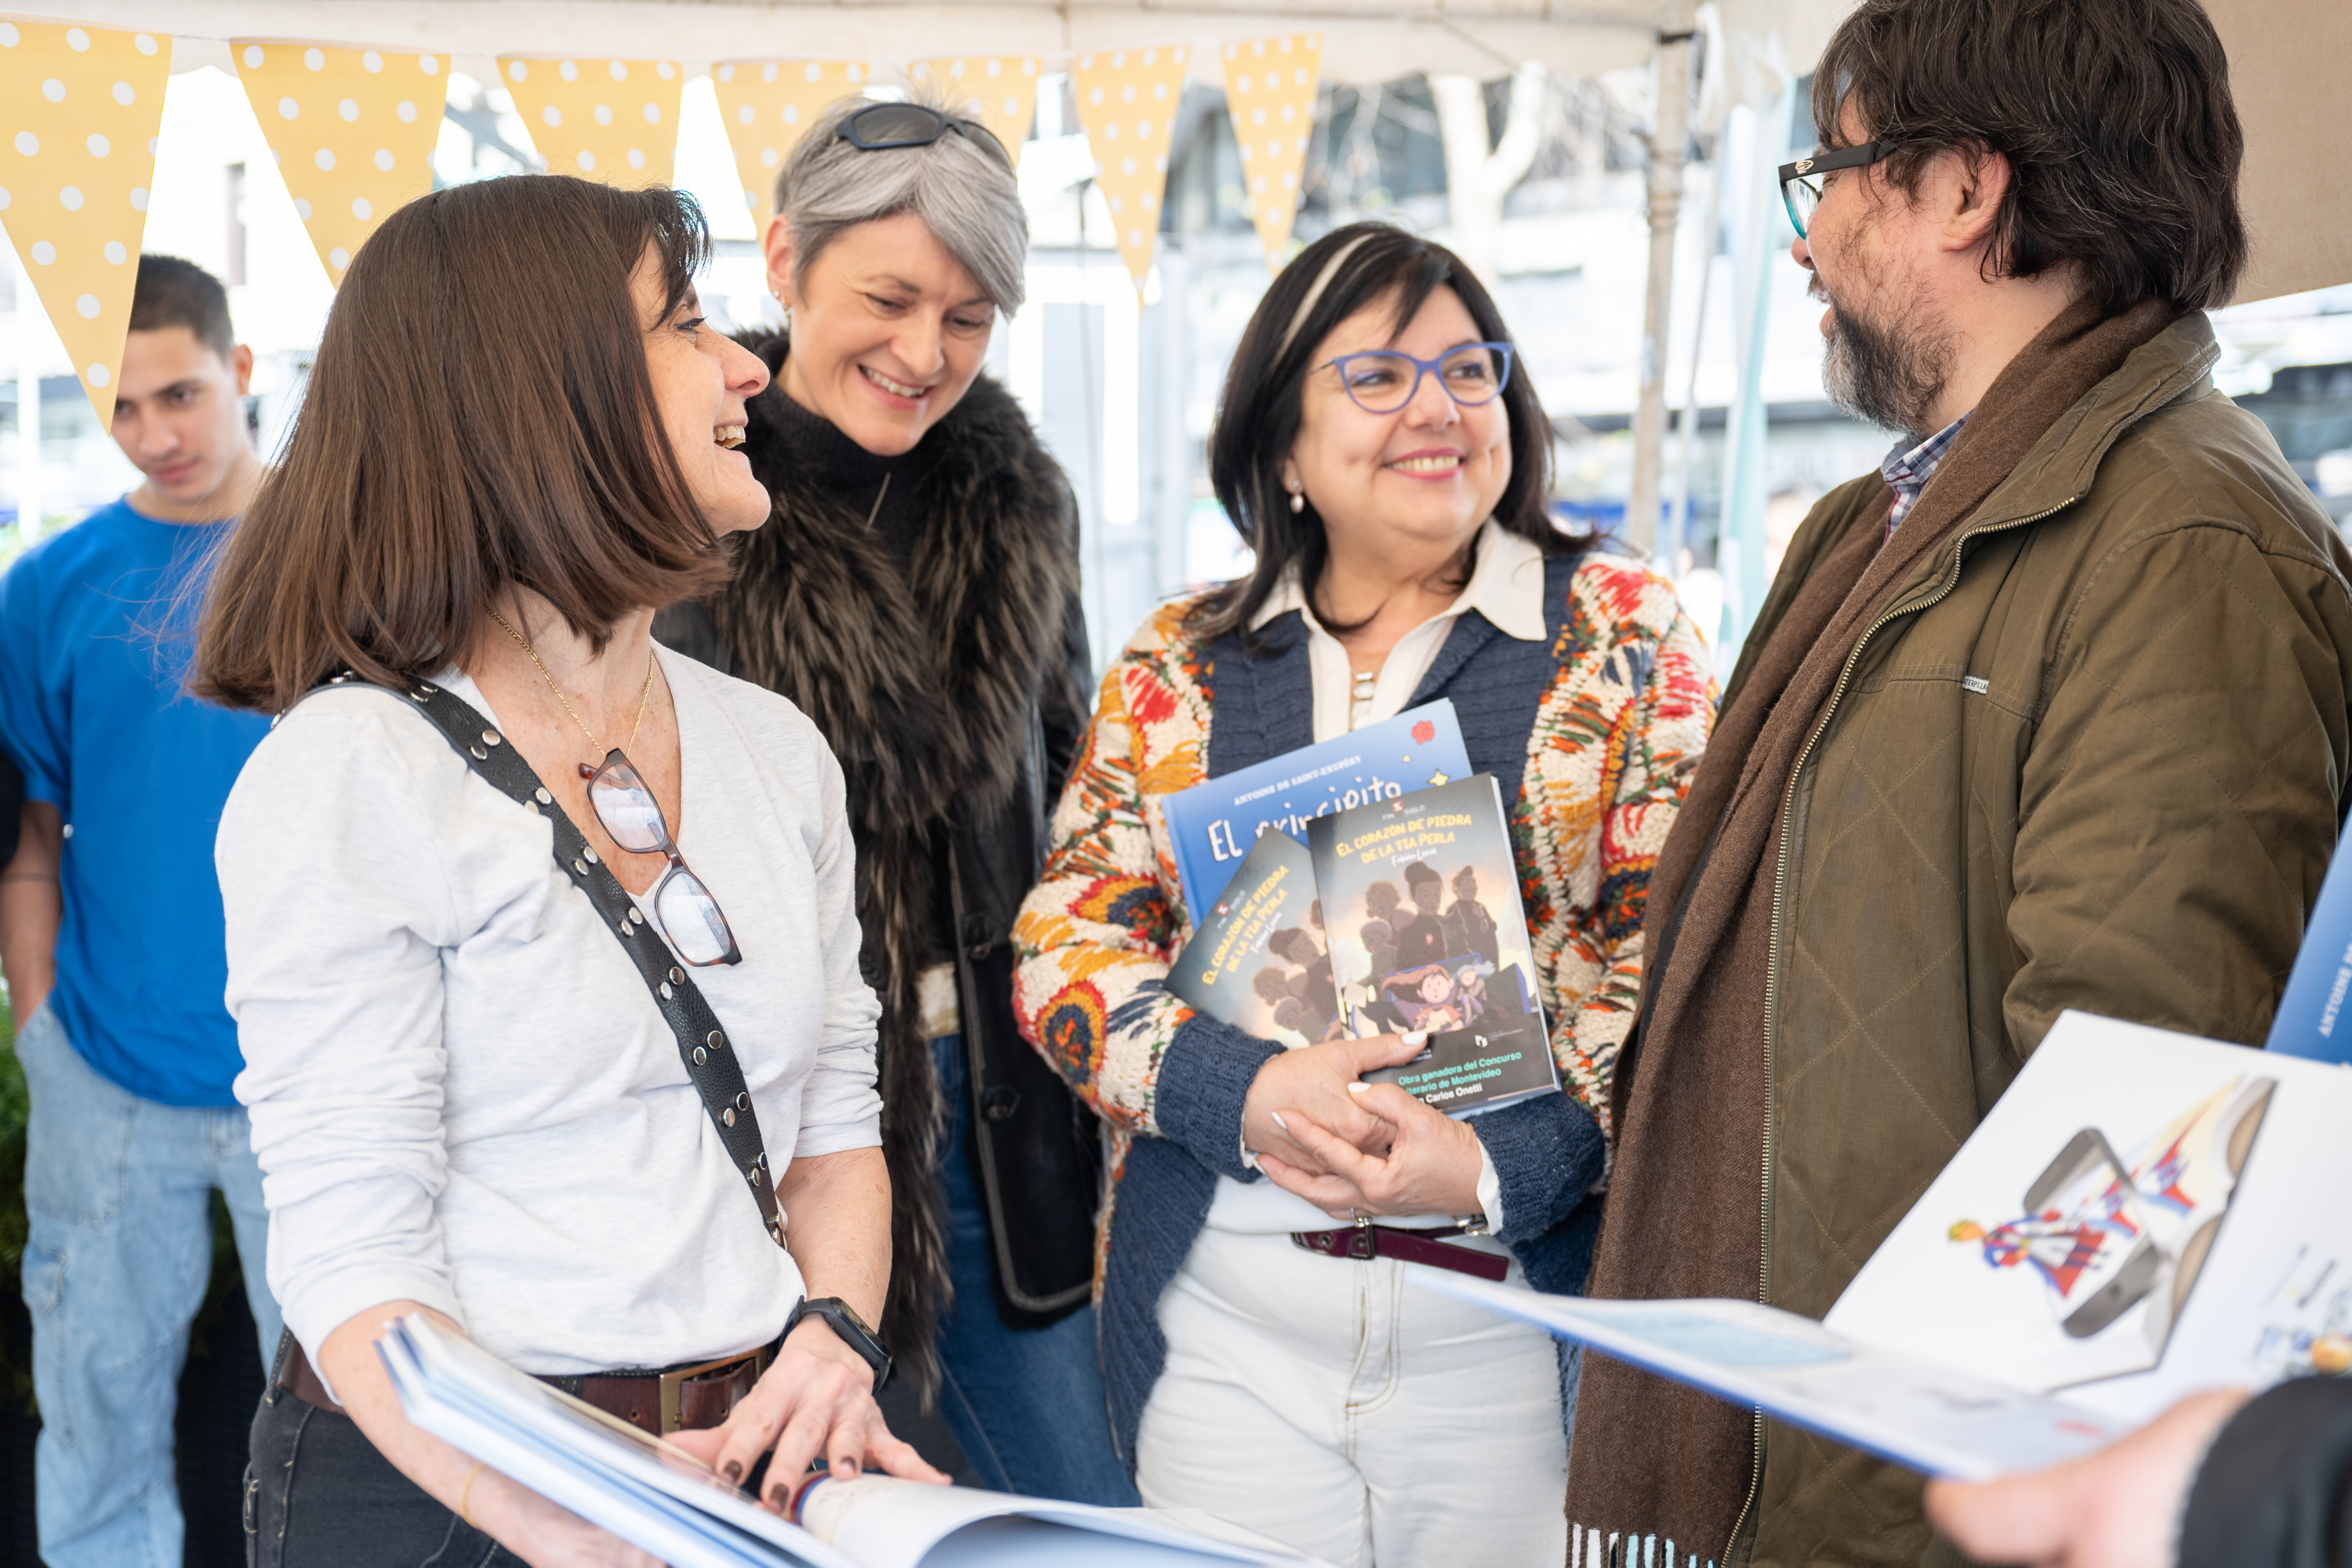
x,y
702,1044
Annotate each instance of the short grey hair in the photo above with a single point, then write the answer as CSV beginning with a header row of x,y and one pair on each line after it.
x,y
959,188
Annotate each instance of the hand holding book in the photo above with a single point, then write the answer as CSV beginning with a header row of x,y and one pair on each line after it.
x,y
817,1402
1427,1161
1313,1085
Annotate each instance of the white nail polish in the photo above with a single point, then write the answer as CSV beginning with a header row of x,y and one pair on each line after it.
x,y
1278,1122
1418,1038
1357,1088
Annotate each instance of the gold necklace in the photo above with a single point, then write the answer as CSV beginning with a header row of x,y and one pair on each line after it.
x,y
593,745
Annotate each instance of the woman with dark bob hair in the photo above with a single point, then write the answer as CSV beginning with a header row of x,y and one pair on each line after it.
x,y
541,942
1386,457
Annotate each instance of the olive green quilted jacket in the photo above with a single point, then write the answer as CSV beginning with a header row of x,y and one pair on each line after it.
x,y
2094,757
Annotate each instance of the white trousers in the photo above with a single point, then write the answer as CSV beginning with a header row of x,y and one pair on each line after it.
x,y
1328,1405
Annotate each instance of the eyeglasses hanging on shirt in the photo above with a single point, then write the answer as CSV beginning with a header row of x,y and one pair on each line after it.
x,y
689,916
624,804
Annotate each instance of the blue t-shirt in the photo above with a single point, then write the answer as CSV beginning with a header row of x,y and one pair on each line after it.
x,y
97,626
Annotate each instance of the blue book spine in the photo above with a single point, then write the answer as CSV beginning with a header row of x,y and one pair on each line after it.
x,y
1211,825
2315,1016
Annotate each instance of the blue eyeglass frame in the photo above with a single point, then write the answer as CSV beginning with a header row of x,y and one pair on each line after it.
x,y
1421,367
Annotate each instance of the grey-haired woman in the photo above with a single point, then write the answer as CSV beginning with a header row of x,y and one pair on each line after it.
x,y
916,593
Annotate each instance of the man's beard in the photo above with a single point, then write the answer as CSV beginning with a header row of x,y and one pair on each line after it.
x,y
1886,376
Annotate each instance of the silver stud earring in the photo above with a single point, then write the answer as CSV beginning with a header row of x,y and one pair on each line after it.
x,y
1298,500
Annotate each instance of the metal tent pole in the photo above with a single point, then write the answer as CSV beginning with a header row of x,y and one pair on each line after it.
x,y
1669,135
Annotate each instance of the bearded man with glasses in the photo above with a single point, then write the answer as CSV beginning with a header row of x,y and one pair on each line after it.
x,y
2049,713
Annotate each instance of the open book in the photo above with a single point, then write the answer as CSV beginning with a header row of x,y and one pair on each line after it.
x,y
660,1497
2144,1214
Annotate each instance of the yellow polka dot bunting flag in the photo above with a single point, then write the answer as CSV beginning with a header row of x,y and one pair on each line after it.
x,y
614,121
1270,94
79,108
768,106
998,90
1127,101
352,130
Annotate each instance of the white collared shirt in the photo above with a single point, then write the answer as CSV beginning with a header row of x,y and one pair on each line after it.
x,y
1507,585
1506,580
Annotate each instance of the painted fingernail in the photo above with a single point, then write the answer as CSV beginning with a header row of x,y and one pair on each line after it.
x,y
1418,1038
732,1470
1278,1122
1357,1088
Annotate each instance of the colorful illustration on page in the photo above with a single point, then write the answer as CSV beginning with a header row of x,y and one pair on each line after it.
x,y
2114,1245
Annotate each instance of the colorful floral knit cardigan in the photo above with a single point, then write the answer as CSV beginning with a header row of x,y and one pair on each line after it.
x,y
1614,746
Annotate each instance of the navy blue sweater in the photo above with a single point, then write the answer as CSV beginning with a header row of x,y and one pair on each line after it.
x,y
1547,1152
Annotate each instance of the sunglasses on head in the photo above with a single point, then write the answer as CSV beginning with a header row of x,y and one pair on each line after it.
x,y
881,126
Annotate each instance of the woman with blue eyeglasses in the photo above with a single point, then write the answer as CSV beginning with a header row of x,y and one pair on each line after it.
x,y
1383,453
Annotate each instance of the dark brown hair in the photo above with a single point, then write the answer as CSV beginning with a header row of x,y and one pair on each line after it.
x,y
2114,115
1259,411
170,293
481,416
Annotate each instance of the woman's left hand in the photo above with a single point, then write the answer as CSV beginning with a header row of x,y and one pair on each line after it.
x,y
817,1399
1431,1165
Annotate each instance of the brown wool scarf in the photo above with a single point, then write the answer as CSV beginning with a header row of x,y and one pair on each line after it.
x,y
1684,1207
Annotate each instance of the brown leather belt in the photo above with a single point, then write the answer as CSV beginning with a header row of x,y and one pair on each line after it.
x,y
1365,1239
680,1399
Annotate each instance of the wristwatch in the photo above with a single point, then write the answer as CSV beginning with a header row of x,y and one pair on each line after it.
x,y
848,1327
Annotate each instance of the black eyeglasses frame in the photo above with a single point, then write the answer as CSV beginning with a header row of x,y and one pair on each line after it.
x,y
1801,171
617,762
941,124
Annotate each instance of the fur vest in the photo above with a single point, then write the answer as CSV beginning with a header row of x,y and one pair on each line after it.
x,y
927,679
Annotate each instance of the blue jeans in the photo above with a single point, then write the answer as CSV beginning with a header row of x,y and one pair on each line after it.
x,y
1026,1404
120,1190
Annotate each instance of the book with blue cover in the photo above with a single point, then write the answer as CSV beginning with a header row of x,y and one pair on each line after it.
x,y
1213,825
2315,1015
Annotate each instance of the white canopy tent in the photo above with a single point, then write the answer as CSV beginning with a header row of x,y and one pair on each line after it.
x,y
2287,56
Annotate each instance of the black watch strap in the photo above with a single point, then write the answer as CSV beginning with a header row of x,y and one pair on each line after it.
x,y
848,1327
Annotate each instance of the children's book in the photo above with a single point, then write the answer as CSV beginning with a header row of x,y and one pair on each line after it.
x,y
1211,825
1257,958
656,1496
2315,1015
1421,899
2143,1215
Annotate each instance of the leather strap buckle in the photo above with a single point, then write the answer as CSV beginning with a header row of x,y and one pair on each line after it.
x,y
1365,1240
671,1395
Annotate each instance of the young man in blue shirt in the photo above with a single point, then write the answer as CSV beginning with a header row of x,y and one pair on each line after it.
x,y
111,936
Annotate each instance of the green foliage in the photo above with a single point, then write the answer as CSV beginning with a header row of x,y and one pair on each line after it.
x,y
15,1381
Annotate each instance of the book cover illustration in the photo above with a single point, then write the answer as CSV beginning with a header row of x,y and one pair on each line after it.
x,y
1211,825
1256,959
2140,1215
1425,931
2312,1020
2112,1247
